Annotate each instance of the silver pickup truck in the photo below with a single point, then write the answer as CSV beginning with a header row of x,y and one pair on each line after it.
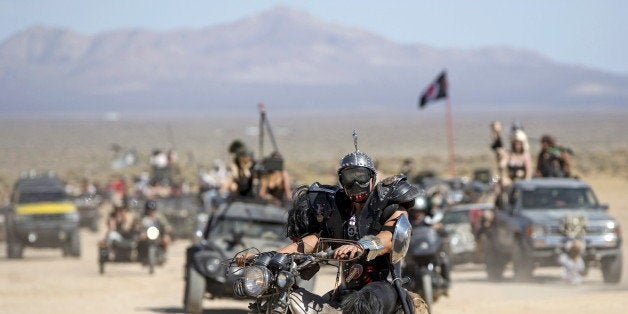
x,y
530,231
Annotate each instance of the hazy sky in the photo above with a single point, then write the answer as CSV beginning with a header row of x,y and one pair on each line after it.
x,y
590,33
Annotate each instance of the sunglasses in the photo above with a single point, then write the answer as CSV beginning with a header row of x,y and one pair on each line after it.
x,y
358,174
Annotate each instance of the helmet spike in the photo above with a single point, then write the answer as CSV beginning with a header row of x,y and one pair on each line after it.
x,y
355,140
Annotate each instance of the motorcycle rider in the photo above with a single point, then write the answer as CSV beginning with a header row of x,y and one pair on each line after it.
x,y
359,210
121,224
151,216
426,214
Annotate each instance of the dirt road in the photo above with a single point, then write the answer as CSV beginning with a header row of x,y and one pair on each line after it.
x,y
44,282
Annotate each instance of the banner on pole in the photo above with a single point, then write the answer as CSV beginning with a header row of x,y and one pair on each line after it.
x,y
436,90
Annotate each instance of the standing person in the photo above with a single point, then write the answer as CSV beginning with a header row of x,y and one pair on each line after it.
x,y
553,161
514,164
275,183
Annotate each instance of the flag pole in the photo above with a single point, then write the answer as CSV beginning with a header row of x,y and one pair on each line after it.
x,y
450,137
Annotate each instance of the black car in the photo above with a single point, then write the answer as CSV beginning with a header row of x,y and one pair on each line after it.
x,y
235,226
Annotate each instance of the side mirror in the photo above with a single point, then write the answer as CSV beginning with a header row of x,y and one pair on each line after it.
x,y
401,239
604,207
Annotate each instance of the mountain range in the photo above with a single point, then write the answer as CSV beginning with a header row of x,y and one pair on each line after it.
x,y
283,57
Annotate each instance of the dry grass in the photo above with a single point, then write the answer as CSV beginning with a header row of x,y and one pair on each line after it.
x,y
312,144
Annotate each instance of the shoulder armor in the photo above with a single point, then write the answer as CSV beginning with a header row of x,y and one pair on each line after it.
x,y
394,190
311,207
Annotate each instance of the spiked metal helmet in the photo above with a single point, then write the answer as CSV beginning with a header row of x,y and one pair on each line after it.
x,y
355,172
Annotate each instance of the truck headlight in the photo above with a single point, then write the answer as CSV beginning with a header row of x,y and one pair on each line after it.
x,y
610,227
535,231
74,216
256,280
152,233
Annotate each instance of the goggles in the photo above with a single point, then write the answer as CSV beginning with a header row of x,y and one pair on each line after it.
x,y
360,175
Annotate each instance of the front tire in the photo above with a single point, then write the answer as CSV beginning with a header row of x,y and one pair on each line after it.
x,y
75,244
522,265
612,268
494,260
15,249
428,292
194,291
152,258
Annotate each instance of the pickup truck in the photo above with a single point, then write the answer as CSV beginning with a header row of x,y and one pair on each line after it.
x,y
528,229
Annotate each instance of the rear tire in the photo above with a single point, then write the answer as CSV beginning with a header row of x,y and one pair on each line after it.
x,y
612,268
194,291
103,257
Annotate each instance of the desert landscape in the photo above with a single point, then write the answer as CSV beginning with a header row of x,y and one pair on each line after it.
x,y
44,282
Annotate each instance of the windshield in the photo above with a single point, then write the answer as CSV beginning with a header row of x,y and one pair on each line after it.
x,y
456,217
249,229
34,197
568,198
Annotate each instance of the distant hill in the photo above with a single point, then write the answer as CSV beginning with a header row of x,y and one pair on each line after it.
x,y
284,57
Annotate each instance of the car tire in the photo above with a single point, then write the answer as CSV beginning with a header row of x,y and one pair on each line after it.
x,y
94,226
522,265
612,268
494,260
194,291
73,246
15,249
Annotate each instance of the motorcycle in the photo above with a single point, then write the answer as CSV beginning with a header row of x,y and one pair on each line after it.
x,y
271,278
143,247
427,261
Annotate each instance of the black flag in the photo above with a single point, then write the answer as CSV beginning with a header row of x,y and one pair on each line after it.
x,y
436,90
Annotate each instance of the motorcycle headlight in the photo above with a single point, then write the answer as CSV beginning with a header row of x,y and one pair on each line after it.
x,y
256,280
284,279
152,233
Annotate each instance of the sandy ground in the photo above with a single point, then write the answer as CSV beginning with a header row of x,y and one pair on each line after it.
x,y
44,282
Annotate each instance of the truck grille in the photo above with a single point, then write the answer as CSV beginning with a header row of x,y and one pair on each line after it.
x,y
589,229
48,217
